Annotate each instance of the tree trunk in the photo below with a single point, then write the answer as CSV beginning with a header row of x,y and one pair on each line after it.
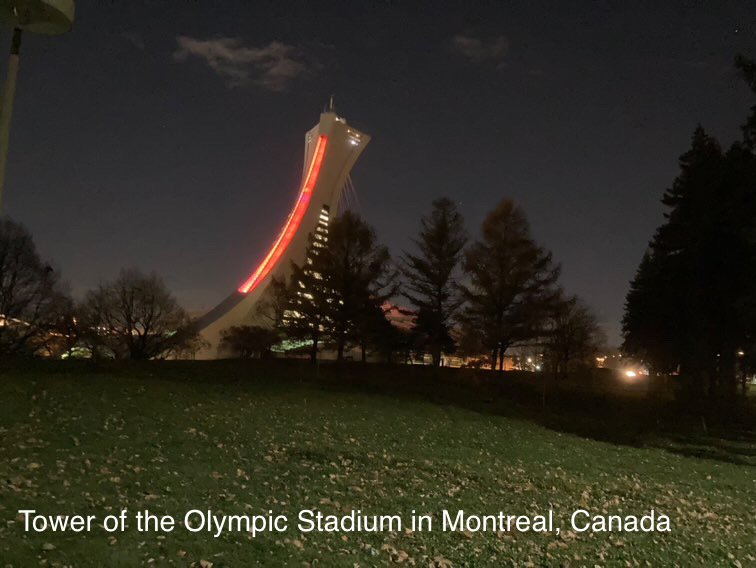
x,y
436,354
494,356
364,352
314,352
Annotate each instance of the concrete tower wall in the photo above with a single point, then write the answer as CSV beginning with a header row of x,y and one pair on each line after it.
x,y
331,150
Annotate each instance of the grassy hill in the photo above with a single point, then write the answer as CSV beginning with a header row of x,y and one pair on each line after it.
x,y
240,439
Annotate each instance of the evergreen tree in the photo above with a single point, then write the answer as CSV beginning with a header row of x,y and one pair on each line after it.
x,y
649,327
686,305
747,69
675,280
356,270
308,299
431,283
512,283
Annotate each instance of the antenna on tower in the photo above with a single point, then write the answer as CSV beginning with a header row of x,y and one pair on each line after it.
x,y
330,105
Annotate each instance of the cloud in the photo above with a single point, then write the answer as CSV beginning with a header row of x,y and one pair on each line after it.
x,y
478,49
272,67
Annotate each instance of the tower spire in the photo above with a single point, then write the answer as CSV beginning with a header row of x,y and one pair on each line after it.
x,y
330,105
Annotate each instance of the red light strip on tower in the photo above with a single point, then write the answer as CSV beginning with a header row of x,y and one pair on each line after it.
x,y
292,223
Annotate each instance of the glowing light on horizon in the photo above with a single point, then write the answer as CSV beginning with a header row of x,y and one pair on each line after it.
x,y
292,223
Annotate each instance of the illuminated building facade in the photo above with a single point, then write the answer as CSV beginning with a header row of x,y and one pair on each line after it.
x,y
331,150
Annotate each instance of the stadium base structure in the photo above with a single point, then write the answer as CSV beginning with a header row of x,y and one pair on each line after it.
x,y
331,150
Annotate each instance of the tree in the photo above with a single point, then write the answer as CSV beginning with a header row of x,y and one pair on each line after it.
x,y
691,303
393,342
33,304
371,329
248,341
357,271
135,317
649,324
574,335
274,302
672,296
747,69
745,158
307,298
431,280
512,283
61,336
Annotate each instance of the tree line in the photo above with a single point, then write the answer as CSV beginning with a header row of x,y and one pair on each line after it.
x,y
472,298
691,308
134,316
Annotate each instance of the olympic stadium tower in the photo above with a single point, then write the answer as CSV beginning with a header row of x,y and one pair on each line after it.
x,y
331,150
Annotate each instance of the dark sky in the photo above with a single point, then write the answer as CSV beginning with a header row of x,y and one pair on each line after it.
x,y
170,137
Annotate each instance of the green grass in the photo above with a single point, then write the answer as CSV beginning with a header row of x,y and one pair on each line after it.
x,y
175,437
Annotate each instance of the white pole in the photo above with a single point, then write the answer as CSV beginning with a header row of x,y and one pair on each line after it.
x,y
6,106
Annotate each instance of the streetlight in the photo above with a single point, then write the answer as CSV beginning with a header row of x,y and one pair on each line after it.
x,y
48,17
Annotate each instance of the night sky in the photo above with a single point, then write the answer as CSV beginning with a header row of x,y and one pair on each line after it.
x,y
170,137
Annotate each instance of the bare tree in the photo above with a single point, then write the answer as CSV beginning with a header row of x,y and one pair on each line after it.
x,y
33,304
135,317
574,336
